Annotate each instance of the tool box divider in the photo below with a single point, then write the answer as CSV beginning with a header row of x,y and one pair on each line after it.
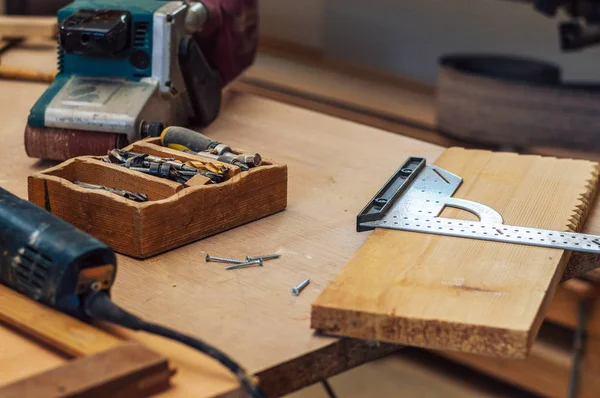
x,y
93,171
174,215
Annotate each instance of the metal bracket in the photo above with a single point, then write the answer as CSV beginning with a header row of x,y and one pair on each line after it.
x,y
414,197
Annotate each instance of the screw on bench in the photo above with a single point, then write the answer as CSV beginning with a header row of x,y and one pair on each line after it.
x,y
263,258
222,260
298,289
246,264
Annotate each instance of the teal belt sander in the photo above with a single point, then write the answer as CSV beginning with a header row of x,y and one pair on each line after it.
x,y
128,68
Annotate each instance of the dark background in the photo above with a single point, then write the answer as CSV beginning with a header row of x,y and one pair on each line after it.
x,y
34,7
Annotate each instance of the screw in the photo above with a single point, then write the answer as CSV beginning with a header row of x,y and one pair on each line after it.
x,y
263,258
298,289
246,264
222,260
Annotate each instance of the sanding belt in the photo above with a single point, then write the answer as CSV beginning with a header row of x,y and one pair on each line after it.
x,y
515,102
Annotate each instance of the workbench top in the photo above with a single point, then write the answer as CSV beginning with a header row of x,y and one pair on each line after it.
x,y
335,167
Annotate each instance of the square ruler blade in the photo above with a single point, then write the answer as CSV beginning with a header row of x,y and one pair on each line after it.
x,y
415,196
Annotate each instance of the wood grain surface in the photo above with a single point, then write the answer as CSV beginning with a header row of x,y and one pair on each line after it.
x,y
331,177
250,313
459,294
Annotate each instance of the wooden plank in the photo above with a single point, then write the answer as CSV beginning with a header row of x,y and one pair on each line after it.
x,y
25,26
129,370
460,294
65,333
11,72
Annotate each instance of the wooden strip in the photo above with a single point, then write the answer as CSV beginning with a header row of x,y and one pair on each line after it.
x,y
460,294
21,26
129,370
18,73
63,332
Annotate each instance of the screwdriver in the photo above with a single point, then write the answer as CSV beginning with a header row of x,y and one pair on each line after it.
x,y
183,139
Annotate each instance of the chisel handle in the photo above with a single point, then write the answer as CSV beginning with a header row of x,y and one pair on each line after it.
x,y
180,138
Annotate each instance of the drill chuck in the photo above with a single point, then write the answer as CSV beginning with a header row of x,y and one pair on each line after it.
x,y
49,260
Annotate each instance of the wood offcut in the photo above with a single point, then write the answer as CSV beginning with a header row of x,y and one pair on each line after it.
x,y
126,371
461,294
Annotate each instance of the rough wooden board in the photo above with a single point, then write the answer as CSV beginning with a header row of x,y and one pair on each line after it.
x,y
21,26
18,73
250,314
127,371
60,331
459,294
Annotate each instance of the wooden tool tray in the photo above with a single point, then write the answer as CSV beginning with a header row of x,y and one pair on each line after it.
x,y
174,214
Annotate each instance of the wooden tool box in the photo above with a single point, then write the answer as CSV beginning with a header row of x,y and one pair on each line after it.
x,y
174,214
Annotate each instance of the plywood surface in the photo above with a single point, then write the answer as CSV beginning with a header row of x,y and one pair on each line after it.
x,y
251,313
459,294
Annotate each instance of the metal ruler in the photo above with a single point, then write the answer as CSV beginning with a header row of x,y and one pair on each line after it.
x,y
414,197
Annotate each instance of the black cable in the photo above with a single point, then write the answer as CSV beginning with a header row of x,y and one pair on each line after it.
x,y
328,389
98,306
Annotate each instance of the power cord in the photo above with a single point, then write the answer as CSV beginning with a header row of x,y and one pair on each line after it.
x,y
98,306
328,389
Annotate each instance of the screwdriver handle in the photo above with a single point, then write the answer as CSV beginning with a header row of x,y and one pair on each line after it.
x,y
180,138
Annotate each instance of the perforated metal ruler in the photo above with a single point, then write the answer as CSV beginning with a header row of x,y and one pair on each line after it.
x,y
414,197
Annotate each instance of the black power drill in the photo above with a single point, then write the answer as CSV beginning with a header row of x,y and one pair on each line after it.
x,y
51,261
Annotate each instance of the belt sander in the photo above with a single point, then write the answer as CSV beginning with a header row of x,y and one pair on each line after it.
x,y
128,68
